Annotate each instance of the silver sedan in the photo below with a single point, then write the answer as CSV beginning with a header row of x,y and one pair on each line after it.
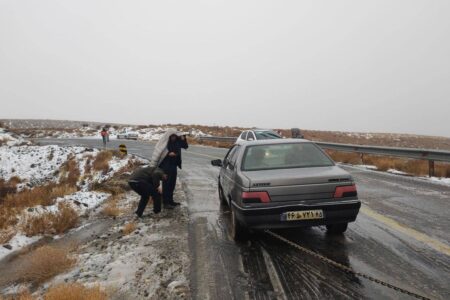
x,y
284,183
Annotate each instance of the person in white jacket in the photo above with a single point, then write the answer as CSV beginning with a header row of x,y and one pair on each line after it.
x,y
167,156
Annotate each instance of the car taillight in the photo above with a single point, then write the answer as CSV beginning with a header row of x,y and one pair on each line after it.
x,y
255,197
345,191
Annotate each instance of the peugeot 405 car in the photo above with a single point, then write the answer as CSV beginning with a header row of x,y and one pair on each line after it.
x,y
284,183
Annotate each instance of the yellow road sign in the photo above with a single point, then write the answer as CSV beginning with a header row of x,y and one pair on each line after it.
x,y
123,149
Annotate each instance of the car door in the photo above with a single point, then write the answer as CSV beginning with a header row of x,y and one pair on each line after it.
x,y
228,169
233,187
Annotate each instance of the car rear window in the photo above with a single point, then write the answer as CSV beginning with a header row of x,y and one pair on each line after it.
x,y
266,135
284,156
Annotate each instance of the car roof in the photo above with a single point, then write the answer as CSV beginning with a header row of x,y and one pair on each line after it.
x,y
273,141
259,129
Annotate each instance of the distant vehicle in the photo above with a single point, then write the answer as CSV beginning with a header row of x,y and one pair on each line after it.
x,y
283,183
296,133
258,134
128,135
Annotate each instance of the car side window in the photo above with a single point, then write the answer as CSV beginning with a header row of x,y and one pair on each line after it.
x,y
234,155
244,135
250,136
230,152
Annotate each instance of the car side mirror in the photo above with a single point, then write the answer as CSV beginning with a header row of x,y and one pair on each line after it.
x,y
217,163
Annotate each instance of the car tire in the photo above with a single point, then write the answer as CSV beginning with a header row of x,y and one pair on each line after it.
x,y
337,228
222,198
239,232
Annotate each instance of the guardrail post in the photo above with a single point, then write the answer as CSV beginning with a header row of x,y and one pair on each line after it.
x,y
362,158
431,168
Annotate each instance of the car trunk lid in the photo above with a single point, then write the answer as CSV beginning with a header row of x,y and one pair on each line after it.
x,y
298,184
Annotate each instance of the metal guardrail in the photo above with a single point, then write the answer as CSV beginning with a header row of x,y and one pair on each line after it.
x,y
226,139
411,153
435,155
423,154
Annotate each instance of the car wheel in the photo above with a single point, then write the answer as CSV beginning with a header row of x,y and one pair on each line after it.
x,y
337,228
239,232
222,198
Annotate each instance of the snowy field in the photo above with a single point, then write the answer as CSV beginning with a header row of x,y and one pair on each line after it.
x,y
143,133
126,257
9,139
39,165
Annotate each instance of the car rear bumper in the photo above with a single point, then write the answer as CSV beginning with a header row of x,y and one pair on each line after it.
x,y
271,217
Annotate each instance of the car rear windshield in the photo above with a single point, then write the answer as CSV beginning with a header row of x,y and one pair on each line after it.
x,y
284,156
266,135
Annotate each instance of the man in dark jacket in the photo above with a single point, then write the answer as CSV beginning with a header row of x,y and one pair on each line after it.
x,y
170,164
145,182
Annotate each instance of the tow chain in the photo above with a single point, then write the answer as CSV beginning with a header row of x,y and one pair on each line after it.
x,y
346,269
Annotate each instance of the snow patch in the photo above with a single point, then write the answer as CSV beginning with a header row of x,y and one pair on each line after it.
x,y
17,242
11,139
34,164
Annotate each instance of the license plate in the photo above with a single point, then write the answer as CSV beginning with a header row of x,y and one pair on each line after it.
x,y
302,215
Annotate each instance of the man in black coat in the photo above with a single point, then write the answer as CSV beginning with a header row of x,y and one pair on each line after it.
x,y
145,182
170,163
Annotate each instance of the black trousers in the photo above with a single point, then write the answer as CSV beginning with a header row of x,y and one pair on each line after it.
x,y
169,184
145,190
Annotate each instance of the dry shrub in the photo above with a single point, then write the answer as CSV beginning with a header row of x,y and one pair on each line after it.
x,y
41,195
382,163
416,167
44,263
129,228
101,161
130,166
23,295
88,165
51,223
345,157
8,187
442,170
118,184
70,173
8,217
62,190
15,180
111,208
6,235
35,225
75,291
194,141
65,219
117,153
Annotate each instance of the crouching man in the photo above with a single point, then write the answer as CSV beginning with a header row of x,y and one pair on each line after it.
x,y
145,182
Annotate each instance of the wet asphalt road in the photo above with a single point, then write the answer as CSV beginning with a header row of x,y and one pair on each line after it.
x,y
400,236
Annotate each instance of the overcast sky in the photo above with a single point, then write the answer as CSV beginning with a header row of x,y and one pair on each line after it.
x,y
378,66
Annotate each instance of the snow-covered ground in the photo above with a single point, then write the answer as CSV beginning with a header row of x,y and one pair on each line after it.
x,y
144,133
151,262
9,139
34,163
38,165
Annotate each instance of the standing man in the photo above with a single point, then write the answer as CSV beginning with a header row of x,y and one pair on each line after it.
x,y
145,182
167,156
104,134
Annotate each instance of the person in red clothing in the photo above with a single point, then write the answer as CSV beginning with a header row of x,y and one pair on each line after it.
x,y
104,134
